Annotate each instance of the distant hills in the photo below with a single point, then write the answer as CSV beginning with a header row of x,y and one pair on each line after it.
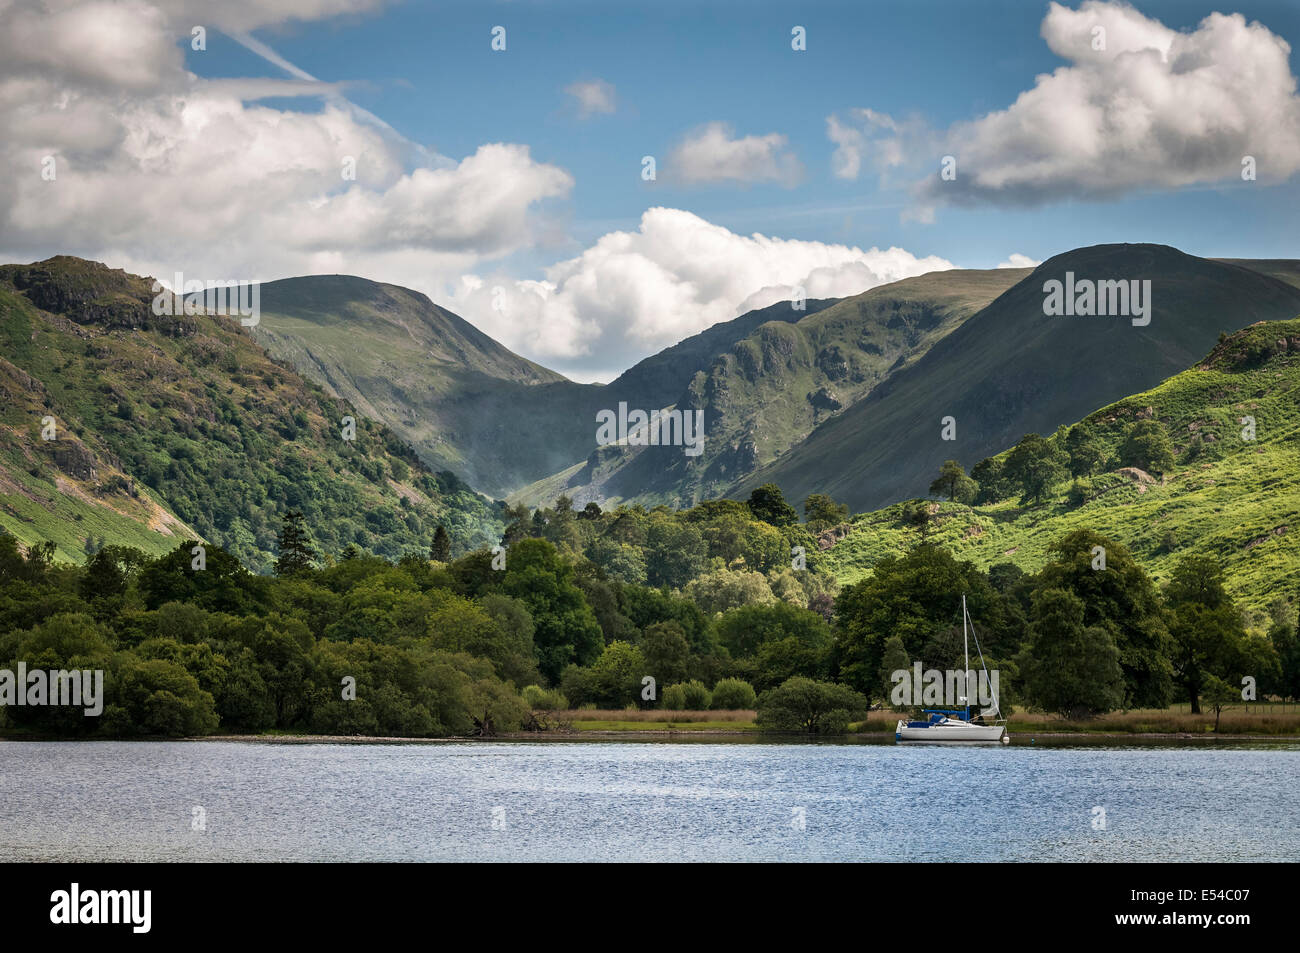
x,y
462,400
845,397
191,425
765,380
1012,370
767,391
173,427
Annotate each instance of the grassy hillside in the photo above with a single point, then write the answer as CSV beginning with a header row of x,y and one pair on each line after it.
x,y
464,402
1010,370
461,399
769,389
1230,499
171,427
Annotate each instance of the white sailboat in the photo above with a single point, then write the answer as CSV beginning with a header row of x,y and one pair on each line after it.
x,y
955,725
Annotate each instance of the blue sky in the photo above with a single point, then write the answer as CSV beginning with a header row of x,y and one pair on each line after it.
x,y
482,182
429,71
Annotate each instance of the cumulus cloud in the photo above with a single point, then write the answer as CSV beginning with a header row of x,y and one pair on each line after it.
x,y
865,135
712,153
159,170
634,292
1017,260
592,97
1139,106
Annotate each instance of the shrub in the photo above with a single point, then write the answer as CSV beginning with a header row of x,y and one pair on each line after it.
x,y
802,704
543,699
731,694
674,698
697,697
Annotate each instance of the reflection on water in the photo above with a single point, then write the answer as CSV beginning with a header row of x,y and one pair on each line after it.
x,y
644,802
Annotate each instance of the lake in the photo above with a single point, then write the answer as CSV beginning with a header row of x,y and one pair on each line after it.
x,y
645,801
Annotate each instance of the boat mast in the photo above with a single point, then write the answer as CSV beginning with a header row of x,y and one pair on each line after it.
x,y
965,644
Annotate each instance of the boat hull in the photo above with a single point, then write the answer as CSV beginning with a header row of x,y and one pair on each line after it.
x,y
951,731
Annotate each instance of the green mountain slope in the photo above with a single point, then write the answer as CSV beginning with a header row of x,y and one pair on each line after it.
x,y
461,399
464,402
171,427
1011,369
1228,498
768,390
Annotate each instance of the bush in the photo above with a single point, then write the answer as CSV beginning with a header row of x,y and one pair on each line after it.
x,y
542,699
731,694
674,698
696,696
802,704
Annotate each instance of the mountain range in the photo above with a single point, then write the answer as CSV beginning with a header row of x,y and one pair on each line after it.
x,y
172,427
845,396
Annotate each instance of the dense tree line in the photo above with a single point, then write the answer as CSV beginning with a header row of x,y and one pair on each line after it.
x,y
722,605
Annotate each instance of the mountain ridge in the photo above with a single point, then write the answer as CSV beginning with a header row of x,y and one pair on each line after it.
x,y
1011,370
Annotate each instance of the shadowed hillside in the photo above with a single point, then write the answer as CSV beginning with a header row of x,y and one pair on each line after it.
x,y
1012,370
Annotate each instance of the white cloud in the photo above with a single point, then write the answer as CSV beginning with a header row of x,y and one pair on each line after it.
x,y
713,154
592,98
160,170
1017,260
632,293
1154,108
861,136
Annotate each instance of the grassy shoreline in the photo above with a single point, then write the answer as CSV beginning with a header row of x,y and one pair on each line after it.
x,y
1275,722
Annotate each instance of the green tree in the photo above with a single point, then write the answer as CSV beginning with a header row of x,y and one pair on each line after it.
x,y
296,553
1207,632
615,677
1122,600
1147,447
821,510
159,698
1286,643
992,481
440,549
779,659
1034,466
745,630
895,659
109,571
915,597
1084,450
667,653
813,707
953,483
674,698
733,694
675,553
565,630
726,589
1067,667
222,585
1219,695
697,695
768,504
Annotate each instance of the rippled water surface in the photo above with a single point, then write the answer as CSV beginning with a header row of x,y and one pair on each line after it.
x,y
644,801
